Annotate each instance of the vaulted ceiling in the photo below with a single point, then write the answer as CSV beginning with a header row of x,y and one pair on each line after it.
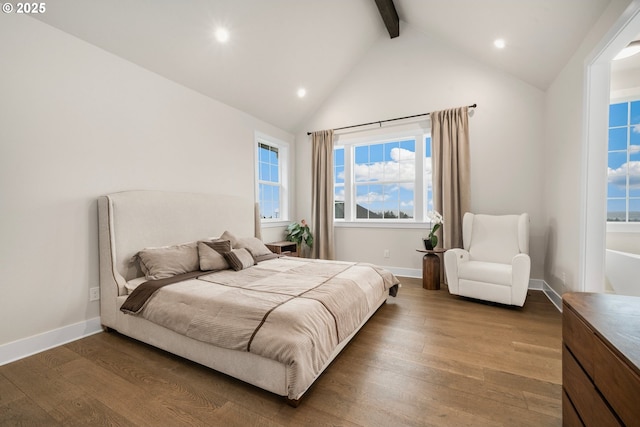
x,y
278,46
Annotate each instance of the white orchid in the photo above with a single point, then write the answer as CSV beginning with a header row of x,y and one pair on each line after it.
x,y
436,219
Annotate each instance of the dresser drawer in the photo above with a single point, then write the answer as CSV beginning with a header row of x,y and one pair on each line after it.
x,y
588,403
619,385
579,338
570,417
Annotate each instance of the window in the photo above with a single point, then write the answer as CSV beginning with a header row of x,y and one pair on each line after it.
x,y
383,179
623,187
271,171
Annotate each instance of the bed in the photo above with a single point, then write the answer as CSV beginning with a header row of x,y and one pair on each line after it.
x,y
282,343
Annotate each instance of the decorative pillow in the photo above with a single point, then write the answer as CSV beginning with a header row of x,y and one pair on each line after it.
x,y
230,237
211,254
239,259
167,261
255,246
219,245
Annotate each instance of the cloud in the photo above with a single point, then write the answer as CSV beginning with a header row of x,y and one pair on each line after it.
x,y
618,176
401,167
371,197
636,129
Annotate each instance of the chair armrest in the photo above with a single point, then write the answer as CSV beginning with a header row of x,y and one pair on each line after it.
x,y
452,258
520,271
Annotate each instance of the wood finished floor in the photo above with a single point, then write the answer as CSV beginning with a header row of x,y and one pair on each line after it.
x,y
426,358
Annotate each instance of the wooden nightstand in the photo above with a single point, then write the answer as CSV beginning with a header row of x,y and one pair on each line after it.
x,y
431,268
283,248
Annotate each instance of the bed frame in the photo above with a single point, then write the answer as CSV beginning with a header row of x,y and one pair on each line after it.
x,y
132,220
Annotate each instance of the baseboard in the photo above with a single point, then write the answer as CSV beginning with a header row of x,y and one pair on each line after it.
x,y
534,284
25,347
553,296
405,272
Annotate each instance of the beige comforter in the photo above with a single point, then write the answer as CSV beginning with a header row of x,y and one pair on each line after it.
x,y
292,310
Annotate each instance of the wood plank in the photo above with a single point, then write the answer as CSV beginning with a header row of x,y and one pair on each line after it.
x,y
43,385
8,391
125,397
25,412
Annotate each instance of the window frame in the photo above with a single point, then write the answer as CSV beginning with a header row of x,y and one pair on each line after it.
x,y
622,226
283,172
416,131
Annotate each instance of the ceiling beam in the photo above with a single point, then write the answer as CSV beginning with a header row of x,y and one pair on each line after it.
x,y
389,16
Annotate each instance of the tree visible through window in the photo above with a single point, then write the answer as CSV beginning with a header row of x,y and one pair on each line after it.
x,y
623,189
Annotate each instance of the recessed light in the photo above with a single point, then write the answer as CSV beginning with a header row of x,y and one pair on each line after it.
x,y
499,43
222,35
302,92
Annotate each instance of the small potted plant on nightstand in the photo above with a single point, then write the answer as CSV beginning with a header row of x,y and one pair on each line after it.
x,y
431,241
301,235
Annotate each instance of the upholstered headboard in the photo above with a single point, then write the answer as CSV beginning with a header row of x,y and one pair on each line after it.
x,y
132,220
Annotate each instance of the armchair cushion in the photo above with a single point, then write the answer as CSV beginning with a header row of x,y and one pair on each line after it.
x,y
494,238
488,272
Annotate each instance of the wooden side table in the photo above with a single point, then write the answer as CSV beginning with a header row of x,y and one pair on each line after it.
x,y
283,248
431,268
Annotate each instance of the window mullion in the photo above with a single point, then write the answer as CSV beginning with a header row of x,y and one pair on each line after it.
x,y
349,194
420,190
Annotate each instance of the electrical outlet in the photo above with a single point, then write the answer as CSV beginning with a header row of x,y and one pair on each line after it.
x,y
386,253
94,294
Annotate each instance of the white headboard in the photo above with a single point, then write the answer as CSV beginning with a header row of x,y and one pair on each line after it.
x,y
132,220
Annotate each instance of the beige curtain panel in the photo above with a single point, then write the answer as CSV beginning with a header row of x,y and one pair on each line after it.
x,y
451,171
322,194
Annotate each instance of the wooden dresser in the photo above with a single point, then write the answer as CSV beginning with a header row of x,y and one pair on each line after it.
x,y
600,360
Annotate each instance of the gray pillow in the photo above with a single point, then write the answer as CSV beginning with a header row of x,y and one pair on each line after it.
x,y
239,259
255,246
211,255
167,261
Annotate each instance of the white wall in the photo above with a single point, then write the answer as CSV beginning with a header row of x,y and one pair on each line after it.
x,y
417,73
77,122
565,152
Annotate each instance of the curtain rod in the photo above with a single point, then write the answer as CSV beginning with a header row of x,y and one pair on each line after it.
x,y
387,120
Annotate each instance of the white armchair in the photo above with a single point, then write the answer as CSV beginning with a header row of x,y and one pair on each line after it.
x,y
494,264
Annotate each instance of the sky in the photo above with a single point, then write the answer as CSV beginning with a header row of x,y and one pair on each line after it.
x,y
268,188
384,177
623,174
